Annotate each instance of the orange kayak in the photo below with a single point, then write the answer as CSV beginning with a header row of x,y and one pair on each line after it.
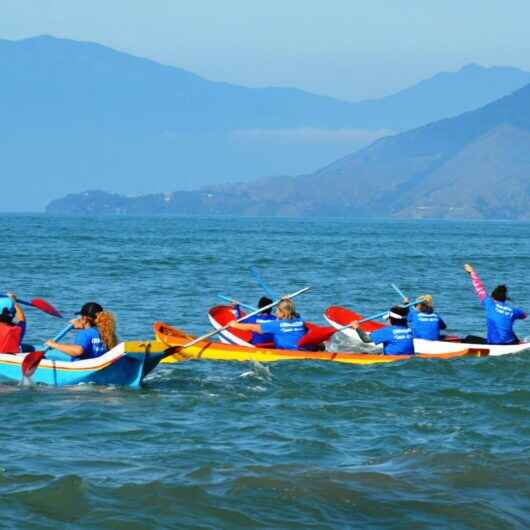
x,y
216,351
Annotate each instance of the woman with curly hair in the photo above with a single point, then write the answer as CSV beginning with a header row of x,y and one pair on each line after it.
x,y
96,336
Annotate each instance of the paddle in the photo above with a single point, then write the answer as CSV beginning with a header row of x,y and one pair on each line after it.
x,y
216,331
234,301
268,291
32,360
317,335
399,291
41,304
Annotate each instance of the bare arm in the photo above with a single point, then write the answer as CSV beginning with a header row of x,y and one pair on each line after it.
x,y
70,349
256,328
19,313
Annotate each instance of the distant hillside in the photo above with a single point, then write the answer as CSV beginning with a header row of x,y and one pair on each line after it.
x,y
79,115
476,165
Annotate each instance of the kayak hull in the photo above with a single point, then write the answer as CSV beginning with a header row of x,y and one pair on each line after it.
x,y
125,365
216,351
339,316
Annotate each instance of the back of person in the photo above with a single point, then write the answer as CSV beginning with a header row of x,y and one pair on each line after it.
x,y
10,338
286,333
261,338
425,325
396,340
90,340
500,318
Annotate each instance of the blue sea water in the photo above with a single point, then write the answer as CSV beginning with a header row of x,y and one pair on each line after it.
x,y
419,444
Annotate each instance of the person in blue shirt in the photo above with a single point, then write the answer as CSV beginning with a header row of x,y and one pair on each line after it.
x,y
260,339
96,335
396,339
286,330
424,322
500,315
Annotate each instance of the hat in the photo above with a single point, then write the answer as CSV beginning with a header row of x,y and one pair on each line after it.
x,y
7,307
398,312
90,309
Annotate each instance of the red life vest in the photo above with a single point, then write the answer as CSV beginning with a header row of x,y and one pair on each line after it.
x,y
10,337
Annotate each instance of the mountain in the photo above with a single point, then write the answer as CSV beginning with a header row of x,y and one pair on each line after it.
x,y
476,165
78,115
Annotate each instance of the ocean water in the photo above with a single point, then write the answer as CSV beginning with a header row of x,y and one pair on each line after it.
x,y
419,444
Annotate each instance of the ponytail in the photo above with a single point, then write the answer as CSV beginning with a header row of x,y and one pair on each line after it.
x,y
106,324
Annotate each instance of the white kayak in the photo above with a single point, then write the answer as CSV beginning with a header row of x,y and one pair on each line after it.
x,y
340,316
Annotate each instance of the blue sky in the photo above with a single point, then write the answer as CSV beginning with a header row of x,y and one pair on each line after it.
x,y
342,48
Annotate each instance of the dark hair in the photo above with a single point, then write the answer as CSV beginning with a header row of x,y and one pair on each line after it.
x,y
399,310
500,293
264,302
91,310
6,317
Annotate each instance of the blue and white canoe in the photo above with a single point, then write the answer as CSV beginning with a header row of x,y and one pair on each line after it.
x,y
125,365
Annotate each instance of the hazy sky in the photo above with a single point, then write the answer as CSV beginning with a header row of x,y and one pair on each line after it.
x,y
343,48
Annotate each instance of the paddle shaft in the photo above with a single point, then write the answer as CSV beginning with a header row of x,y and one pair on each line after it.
x,y
260,310
234,301
378,315
60,335
399,291
268,291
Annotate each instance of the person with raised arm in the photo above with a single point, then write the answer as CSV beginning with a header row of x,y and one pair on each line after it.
x,y
286,330
500,315
12,324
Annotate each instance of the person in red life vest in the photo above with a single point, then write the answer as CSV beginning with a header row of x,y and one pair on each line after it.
x,y
12,324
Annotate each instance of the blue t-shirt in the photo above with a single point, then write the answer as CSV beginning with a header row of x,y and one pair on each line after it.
x,y
260,338
396,340
90,340
500,318
425,325
286,333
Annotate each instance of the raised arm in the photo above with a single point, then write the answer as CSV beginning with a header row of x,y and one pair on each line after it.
x,y
19,313
256,328
476,281
365,337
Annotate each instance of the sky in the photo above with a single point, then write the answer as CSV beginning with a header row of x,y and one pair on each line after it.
x,y
342,48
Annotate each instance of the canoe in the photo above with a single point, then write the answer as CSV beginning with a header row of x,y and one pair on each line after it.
x,y
218,351
340,316
125,365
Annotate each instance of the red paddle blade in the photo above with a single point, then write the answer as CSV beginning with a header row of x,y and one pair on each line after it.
x,y
31,363
41,304
315,335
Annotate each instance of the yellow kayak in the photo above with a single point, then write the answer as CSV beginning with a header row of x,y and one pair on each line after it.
x,y
216,351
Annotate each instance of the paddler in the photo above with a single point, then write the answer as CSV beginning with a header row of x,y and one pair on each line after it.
x,y
396,339
500,315
286,330
12,324
424,322
259,339
97,335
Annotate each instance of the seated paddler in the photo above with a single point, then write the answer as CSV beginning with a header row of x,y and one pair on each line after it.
x,y
12,324
265,340
286,330
424,321
95,336
397,338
